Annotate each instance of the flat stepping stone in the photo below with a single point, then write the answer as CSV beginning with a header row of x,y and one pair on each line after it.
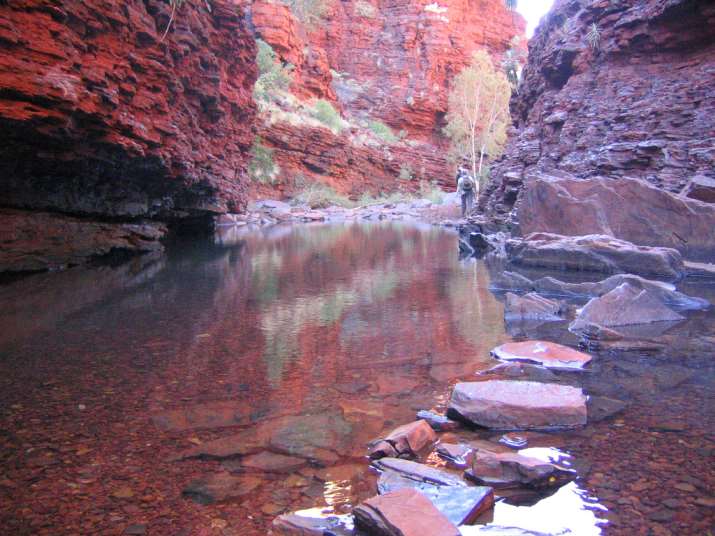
x,y
547,354
509,469
519,405
310,522
460,504
419,472
405,512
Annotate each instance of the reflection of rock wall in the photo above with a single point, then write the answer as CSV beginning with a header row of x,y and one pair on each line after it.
x,y
100,118
642,105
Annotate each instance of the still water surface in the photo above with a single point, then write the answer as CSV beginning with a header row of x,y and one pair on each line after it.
x,y
314,339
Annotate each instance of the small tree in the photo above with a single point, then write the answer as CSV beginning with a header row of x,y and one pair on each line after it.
x,y
478,112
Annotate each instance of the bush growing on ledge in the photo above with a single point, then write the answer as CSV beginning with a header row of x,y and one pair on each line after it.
x,y
382,131
273,76
406,173
365,9
262,168
317,195
324,112
311,13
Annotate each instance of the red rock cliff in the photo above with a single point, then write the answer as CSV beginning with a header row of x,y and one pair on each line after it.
x,y
102,119
386,60
637,102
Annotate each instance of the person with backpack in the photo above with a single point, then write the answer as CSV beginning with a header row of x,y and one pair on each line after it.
x,y
465,187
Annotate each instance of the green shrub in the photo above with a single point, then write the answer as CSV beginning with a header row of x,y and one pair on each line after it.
x,y
593,37
365,9
317,195
432,192
311,13
324,112
272,74
382,131
406,173
262,168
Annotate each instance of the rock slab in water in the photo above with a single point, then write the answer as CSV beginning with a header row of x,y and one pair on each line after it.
x,y
220,487
312,523
531,306
406,440
547,354
419,472
460,504
511,469
519,405
405,512
625,305
576,207
594,253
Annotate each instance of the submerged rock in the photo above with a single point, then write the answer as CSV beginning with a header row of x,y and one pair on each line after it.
x,y
460,504
594,253
547,354
512,469
405,512
531,306
519,405
271,462
439,423
406,440
220,487
623,306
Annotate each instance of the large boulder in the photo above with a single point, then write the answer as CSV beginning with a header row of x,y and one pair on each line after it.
x,y
628,209
519,405
547,354
625,305
594,253
405,512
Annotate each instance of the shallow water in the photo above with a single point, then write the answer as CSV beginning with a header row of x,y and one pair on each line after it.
x,y
313,340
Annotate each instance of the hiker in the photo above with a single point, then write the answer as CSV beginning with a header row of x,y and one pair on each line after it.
x,y
465,188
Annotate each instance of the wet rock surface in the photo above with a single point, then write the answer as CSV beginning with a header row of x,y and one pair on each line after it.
x,y
405,512
519,405
625,305
512,469
547,354
406,440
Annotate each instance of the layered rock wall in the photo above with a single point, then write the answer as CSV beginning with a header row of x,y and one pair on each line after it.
x,y
385,60
101,118
635,100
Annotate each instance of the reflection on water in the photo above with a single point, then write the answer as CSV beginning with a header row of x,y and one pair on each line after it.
x,y
301,341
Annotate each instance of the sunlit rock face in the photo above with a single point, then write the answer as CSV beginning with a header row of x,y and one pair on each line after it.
x,y
636,101
389,61
101,118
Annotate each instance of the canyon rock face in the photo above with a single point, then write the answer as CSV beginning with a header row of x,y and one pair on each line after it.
x,y
103,119
636,100
391,62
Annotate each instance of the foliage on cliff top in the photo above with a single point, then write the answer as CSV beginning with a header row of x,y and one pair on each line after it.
x,y
478,113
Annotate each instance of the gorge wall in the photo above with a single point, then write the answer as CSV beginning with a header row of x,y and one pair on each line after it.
x,y
107,130
390,61
637,102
